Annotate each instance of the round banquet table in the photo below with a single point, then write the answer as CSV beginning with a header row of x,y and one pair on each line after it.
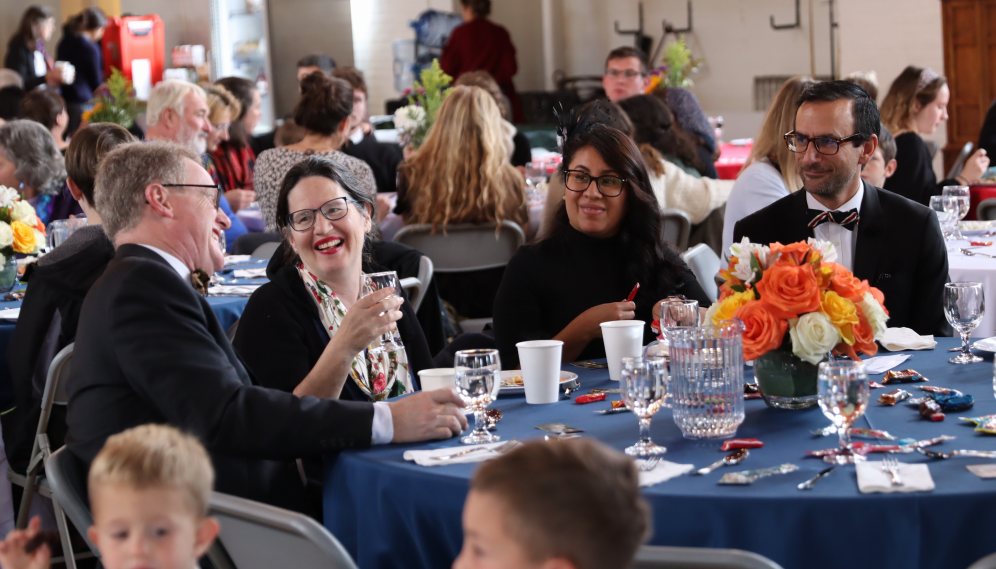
x,y
391,513
977,268
732,158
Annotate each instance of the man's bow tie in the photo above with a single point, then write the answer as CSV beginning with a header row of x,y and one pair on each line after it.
x,y
846,219
201,281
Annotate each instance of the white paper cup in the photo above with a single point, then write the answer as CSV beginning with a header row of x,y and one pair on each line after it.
x,y
540,363
623,339
438,378
68,71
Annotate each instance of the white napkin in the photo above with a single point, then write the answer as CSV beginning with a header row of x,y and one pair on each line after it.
x,y
882,364
872,479
233,289
259,273
236,259
10,313
896,339
425,457
662,472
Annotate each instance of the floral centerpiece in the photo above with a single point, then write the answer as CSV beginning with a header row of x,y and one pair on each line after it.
x,y
797,306
414,120
20,232
677,65
114,101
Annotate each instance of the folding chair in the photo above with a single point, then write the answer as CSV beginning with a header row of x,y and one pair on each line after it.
x,y
986,210
677,228
67,478
658,557
702,260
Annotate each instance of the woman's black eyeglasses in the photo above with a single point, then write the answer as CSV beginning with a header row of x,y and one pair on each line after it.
x,y
579,180
303,219
825,145
217,191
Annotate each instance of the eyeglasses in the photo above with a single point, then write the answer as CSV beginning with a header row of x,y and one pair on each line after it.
x,y
303,219
627,73
825,145
608,186
219,128
217,190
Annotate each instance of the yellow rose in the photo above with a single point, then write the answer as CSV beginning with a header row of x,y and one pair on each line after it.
x,y
842,313
24,237
730,305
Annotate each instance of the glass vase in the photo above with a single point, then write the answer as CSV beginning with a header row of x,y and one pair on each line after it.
x,y
8,274
786,382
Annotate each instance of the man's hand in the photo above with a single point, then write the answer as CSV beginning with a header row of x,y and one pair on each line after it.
x,y
428,415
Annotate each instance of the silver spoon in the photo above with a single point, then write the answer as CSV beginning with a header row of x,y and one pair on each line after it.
x,y
946,455
729,460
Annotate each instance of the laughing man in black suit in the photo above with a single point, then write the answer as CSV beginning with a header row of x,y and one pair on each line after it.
x,y
894,243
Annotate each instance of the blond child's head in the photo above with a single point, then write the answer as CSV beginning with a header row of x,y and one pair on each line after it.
x,y
149,489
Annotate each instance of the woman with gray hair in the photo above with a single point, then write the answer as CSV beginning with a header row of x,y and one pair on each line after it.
x,y
30,161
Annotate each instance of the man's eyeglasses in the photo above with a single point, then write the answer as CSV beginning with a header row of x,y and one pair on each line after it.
x,y
825,145
217,191
304,219
627,73
608,186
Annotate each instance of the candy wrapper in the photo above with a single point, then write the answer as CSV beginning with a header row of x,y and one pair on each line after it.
x,y
930,409
875,385
582,399
752,391
865,448
954,403
984,424
733,444
618,405
903,376
893,397
940,390
872,434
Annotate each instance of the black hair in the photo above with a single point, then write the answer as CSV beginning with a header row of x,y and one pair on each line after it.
x,y
866,118
653,124
887,143
24,34
325,102
43,106
627,51
481,8
319,60
87,20
241,89
11,100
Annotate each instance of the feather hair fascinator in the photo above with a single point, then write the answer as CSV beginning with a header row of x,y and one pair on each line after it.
x,y
579,120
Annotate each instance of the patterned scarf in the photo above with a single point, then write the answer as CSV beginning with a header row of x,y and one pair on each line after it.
x,y
379,375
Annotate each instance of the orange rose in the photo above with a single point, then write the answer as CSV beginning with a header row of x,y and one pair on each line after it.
x,y
24,237
763,331
789,290
794,252
864,340
847,285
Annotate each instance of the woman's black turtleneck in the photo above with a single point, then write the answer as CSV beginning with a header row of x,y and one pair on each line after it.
x,y
549,284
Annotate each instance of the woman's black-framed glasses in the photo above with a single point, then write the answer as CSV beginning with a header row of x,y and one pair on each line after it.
x,y
825,145
303,219
579,180
217,190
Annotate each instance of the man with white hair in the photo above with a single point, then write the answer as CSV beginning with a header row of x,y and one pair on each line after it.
x,y
177,111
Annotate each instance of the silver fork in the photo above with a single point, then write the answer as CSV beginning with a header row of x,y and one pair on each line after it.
x,y
650,464
891,465
507,446
973,253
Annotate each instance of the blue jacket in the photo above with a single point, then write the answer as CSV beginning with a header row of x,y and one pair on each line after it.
x,y
86,57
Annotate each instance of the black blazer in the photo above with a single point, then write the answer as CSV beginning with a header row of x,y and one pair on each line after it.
x,y
21,58
899,250
150,350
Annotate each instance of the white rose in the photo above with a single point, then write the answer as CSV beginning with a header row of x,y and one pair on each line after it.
x,y
813,335
826,249
710,314
23,211
8,196
40,241
6,235
875,315
409,117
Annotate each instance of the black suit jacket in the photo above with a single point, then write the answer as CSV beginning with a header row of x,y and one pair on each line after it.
x,y
150,350
900,250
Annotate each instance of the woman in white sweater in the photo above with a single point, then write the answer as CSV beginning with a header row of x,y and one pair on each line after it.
x,y
770,173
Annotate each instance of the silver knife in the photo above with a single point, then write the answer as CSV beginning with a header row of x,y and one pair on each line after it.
x,y
808,485
749,476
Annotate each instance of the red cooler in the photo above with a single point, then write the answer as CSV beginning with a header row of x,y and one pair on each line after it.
x,y
135,38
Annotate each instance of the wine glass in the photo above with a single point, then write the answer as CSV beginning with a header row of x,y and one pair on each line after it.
x,y
842,389
391,340
478,378
643,387
679,312
964,305
963,197
946,208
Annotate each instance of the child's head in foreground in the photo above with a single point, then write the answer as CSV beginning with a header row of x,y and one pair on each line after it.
x,y
572,504
149,489
883,163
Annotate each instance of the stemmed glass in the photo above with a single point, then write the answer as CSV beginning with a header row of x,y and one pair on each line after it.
x,y
478,378
389,341
679,312
963,197
964,305
842,389
643,387
946,209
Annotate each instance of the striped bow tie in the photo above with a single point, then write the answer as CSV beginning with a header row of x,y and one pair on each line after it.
x,y
846,219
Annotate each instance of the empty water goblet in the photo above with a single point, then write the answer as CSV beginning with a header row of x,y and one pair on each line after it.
x,y
643,387
391,340
843,388
964,306
964,200
478,377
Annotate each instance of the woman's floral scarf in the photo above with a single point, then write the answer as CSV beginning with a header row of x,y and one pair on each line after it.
x,y
379,375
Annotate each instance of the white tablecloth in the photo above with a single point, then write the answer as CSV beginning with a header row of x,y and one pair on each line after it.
x,y
979,269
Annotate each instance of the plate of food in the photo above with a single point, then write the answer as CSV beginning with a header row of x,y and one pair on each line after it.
x,y
511,380
976,227
987,345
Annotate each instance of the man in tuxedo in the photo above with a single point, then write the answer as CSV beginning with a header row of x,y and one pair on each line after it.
x,y
150,350
894,243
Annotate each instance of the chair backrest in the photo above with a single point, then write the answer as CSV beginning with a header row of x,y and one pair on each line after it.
x,y
657,557
464,247
67,478
232,330
246,243
425,272
677,228
986,210
413,289
260,536
959,163
704,262
265,251
987,562
55,386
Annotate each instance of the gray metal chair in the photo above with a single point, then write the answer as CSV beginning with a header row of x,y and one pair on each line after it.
x,y
986,210
677,228
659,557
987,562
259,536
702,260
68,480
265,251
464,248
959,163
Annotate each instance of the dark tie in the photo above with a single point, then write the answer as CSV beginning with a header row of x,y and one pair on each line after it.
x,y
846,219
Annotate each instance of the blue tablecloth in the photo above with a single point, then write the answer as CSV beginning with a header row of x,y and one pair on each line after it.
x,y
392,513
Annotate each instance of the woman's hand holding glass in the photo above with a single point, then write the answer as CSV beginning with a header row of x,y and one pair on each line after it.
x,y
370,317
